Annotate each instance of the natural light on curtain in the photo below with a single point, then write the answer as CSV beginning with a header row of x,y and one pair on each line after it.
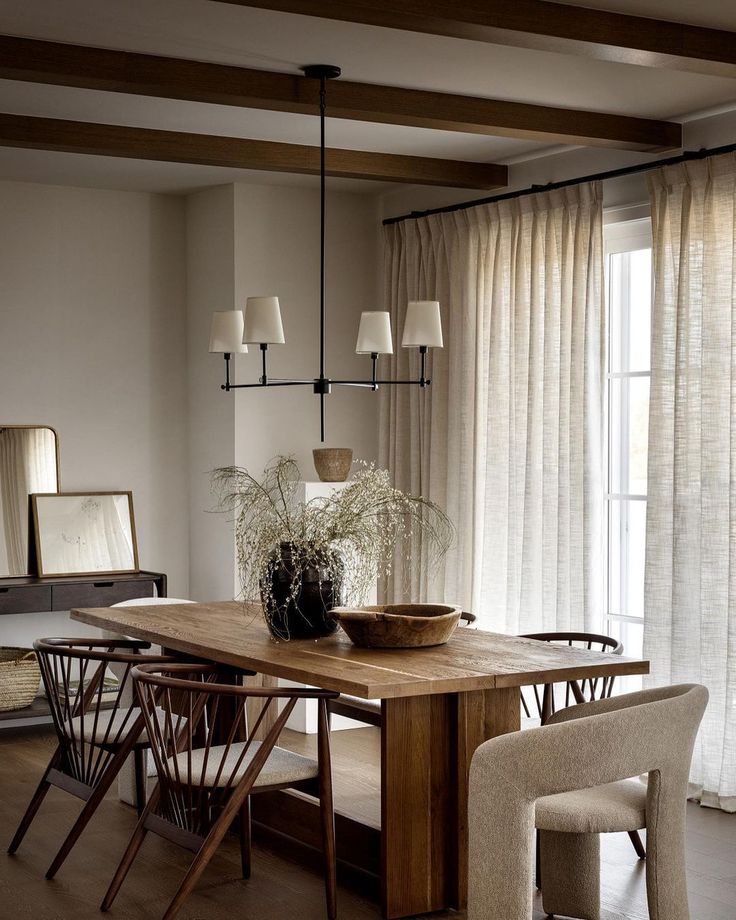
x,y
509,436
690,583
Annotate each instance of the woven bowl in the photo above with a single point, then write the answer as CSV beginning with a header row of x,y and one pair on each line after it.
x,y
20,676
399,625
332,463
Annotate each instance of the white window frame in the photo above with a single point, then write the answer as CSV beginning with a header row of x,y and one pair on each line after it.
x,y
623,236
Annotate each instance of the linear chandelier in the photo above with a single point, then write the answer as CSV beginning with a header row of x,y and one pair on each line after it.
x,y
232,331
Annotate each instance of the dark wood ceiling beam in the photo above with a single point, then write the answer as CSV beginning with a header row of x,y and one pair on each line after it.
x,y
142,74
33,133
539,24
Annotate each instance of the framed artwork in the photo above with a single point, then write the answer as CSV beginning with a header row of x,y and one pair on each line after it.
x,y
85,533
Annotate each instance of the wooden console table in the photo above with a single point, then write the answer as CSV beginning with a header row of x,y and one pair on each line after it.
x,y
31,594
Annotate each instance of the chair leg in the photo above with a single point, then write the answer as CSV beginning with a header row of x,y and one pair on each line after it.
x,y
571,872
524,705
34,804
245,837
131,851
79,825
538,861
199,864
140,763
637,844
90,806
327,816
548,703
666,876
327,813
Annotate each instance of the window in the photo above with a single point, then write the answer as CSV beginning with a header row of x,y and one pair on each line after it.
x,y
629,291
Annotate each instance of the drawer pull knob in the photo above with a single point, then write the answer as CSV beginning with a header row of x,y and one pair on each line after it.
x,y
104,584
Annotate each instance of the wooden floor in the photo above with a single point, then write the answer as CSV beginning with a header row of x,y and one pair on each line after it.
x,y
279,889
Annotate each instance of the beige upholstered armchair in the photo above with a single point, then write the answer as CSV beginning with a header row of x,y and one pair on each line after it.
x,y
581,747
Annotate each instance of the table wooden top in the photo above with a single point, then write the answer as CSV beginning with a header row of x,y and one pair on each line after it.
x,y
235,634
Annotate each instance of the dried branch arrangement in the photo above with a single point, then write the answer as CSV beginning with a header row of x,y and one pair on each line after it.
x,y
350,537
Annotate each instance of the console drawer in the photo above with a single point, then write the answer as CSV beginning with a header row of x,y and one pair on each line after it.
x,y
102,593
25,599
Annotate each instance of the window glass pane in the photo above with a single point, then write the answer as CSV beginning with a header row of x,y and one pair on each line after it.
x,y
637,524
617,437
617,302
638,434
614,556
630,310
640,309
629,433
627,537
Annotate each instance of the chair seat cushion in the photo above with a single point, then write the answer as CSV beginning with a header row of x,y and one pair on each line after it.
x,y
605,809
121,725
282,768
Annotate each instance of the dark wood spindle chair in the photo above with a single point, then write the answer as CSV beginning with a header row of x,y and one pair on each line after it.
x,y
584,691
575,691
209,761
96,729
369,711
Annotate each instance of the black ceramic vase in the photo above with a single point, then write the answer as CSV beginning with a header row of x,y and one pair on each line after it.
x,y
303,615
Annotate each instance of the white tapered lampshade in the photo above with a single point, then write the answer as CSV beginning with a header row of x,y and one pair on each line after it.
x,y
226,332
423,325
374,334
263,321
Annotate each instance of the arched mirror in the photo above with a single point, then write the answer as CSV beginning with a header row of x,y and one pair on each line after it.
x,y
29,462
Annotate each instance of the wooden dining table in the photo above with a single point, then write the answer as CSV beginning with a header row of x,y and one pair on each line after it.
x,y
438,705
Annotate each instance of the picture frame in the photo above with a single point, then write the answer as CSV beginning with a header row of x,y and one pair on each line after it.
x,y
85,533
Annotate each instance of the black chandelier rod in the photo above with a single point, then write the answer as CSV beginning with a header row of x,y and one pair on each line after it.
x,y
684,157
322,385
322,196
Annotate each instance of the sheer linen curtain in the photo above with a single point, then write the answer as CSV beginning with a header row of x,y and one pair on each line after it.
x,y
508,438
690,580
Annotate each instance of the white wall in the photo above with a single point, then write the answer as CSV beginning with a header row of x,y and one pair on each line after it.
x,y
277,252
210,286
105,304
263,239
92,342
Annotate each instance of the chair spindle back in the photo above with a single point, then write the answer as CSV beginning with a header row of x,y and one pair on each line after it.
x,y
587,690
204,749
87,701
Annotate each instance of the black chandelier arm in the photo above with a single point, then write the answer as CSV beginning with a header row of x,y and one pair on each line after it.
x,y
376,383
287,382
271,383
321,385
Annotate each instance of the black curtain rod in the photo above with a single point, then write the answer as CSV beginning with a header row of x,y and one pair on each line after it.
x,y
566,183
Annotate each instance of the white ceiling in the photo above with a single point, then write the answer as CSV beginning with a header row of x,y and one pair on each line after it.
x,y
224,33
716,14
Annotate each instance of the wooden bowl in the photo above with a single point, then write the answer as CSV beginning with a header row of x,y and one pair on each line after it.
x,y
399,625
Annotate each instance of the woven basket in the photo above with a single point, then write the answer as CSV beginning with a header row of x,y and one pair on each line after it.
x,y
20,676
